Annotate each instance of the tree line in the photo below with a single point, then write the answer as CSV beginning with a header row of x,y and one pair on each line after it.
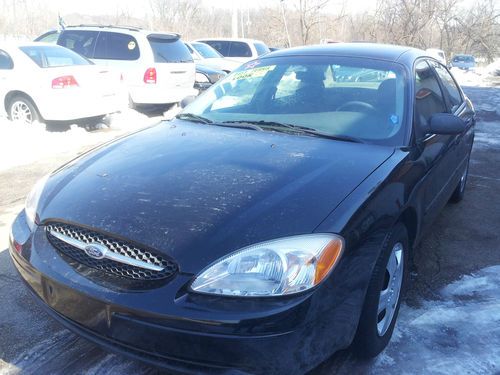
x,y
455,26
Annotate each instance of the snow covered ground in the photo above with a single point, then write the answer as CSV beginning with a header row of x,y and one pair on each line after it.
x,y
480,76
447,336
21,144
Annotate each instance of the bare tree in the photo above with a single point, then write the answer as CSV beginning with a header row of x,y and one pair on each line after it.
x,y
309,12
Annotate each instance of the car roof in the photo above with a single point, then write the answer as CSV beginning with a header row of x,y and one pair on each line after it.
x,y
377,51
115,28
248,40
15,45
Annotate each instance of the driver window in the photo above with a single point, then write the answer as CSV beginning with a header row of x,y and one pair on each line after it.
x,y
428,97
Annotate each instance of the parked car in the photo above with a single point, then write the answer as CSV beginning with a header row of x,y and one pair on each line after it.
x,y
239,49
464,62
206,77
156,67
438,54
46,82
268,225
207,56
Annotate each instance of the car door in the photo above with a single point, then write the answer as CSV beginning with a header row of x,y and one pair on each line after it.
x,y
435,150
6,75
458,106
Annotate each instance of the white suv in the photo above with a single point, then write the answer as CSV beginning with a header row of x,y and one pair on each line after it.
x,y
156,67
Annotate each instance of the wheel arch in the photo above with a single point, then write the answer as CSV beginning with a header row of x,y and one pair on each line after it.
x,y
409,219
12,94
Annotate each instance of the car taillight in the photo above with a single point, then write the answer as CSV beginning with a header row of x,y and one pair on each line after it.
x,y
63,82
150,75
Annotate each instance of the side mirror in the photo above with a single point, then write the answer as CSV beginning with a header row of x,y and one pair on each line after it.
x,y
187,100
446,123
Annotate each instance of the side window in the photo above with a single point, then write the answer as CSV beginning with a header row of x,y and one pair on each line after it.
x,y
221,46
116,46
80,41
451,91
6,62
428,96
240,49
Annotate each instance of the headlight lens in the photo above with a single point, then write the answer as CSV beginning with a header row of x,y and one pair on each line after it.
x,y
201,78
31,204
273,268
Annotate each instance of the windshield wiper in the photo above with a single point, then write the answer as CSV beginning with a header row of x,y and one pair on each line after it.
x,y
298,129
194,118
197,118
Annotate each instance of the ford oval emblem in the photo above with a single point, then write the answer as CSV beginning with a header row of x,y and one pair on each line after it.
x,y
96,250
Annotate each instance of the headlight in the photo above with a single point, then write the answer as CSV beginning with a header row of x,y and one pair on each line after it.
x,y
32,199
201,78
273,268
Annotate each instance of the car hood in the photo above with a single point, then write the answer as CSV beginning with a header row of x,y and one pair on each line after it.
x,y
197,192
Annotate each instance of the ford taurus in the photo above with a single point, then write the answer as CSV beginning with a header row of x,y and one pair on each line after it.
x,y
270,224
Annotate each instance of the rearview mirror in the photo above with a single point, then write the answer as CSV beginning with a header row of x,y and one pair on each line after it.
x,y
446,123
187,100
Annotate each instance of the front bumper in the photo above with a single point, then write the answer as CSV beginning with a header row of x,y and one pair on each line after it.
x,y
173,329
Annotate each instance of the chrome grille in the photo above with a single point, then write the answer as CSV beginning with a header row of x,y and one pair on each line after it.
x,y
166,267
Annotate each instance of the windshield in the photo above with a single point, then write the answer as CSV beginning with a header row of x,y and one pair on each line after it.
x,y
206,51
53,56
345,97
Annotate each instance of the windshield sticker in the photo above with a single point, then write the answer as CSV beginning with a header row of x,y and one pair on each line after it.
x,y
252,73
131,45
252,64
394,119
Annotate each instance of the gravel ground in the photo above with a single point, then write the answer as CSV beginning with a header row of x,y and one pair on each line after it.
x,y
449,321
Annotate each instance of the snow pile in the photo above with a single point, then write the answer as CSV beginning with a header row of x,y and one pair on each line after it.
x,y
458,335
21,144
480,76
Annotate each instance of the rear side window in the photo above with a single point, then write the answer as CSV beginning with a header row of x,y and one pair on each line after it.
x,y
240,49
116,46
221,46
428,96
5,61
53,56
261,48
451,91
80,41
169,49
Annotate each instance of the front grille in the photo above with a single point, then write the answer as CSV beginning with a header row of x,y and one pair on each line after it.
x,y
114,245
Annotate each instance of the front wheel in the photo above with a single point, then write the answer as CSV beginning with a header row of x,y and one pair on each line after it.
x,y
384,294
23,110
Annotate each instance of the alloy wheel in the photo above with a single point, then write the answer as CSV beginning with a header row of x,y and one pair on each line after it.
x,y
389,295
21,112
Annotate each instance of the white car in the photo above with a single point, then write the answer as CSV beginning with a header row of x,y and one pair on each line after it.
x,y
239,49
40,81
205,55
157,68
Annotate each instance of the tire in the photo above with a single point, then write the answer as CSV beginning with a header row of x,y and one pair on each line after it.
x,y
459,192
22,109
375,329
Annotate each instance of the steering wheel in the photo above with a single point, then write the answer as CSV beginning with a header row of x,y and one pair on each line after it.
x,y
357,106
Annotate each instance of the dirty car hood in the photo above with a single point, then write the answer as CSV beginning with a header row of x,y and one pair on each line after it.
x,y
197,192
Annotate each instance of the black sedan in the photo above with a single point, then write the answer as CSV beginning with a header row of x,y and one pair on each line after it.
x,y
206,77
267,226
